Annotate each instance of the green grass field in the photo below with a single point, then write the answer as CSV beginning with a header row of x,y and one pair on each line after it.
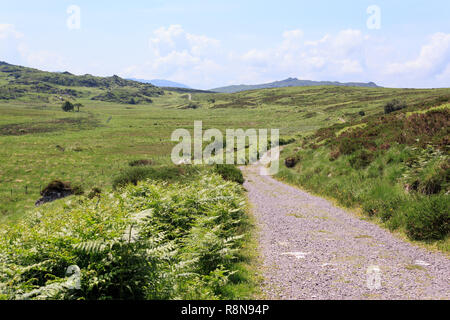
x,y
39,142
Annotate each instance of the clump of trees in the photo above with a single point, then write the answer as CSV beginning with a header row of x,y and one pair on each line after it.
x,y
68,106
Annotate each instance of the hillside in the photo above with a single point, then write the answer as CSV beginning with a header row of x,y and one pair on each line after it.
x,y
395,166
162,83
22,83
290,82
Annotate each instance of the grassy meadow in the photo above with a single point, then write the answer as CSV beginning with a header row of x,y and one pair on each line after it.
x,y
39,142
385,150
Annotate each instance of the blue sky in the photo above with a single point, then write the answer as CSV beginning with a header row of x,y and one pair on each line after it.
x,y
206,44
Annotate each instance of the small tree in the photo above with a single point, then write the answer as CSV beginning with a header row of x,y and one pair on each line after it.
x,y
78,106
393,106
67,106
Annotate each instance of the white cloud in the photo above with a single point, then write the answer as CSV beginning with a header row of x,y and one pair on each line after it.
x,y
175,39
180,56
350,55
349,66
292,40
10,39
318,42
330,57
433,58
44,59
347,41
14,49
9,31
444,77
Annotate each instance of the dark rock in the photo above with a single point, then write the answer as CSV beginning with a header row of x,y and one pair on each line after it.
x,y
291,162
54,191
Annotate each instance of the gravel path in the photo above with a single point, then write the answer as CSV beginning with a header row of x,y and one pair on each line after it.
x,y
311,249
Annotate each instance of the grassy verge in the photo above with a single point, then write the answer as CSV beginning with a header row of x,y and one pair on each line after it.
x,y
245,282
395,168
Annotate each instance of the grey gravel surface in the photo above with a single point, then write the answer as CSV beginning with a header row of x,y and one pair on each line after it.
x,y
311,249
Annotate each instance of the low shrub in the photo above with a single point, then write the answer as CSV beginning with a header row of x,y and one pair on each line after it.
x,y
191,105
292,161
428,218
286,140
393,106
57,186
383,200
141,163
334,154
348,146
57,190
361,159
164,173
431,184
428,172
229,173
95,192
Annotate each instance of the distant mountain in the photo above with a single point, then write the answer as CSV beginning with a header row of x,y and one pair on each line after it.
x,y
290,82
162,83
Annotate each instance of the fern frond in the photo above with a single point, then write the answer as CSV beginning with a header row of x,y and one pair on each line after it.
x,y
93,247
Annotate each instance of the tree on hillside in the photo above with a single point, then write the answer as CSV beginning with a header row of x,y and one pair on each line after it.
x,y
78,106
67,106
393,106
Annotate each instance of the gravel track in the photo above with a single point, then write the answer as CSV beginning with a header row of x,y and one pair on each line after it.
x,y
311,249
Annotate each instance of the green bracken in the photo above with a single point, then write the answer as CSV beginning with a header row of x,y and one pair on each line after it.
x,y
150,241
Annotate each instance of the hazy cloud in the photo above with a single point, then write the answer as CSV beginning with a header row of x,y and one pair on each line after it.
x,y
180,56
9,31
432,63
